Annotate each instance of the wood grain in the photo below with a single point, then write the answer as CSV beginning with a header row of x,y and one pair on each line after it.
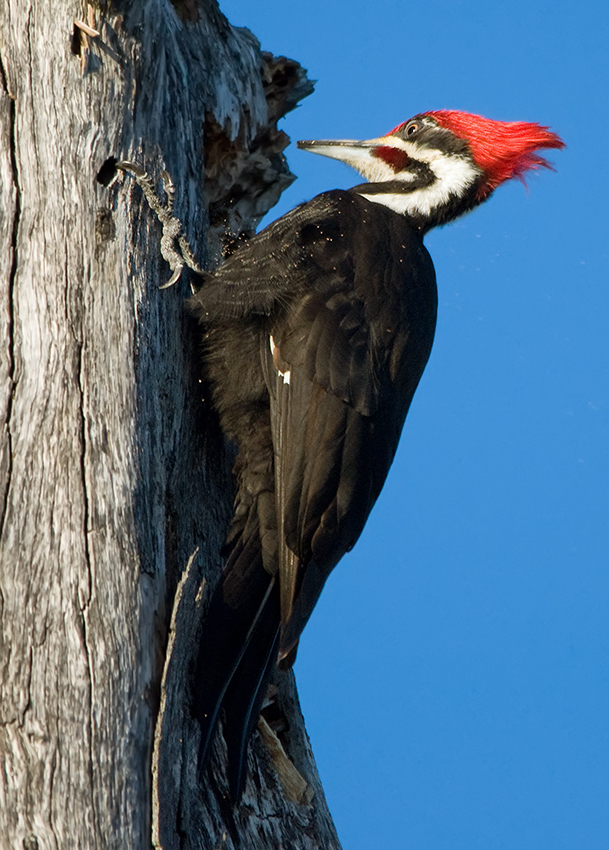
x,y
112,470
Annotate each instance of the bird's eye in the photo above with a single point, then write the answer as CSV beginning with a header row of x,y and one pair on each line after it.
x,y
412,128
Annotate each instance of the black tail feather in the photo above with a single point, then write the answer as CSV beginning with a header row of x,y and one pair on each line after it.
x,y
245,695
238,650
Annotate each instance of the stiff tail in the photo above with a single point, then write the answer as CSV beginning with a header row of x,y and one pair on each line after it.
x,y
238,650
245,695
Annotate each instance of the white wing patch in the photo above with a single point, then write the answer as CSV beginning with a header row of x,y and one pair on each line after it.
x,y
285,375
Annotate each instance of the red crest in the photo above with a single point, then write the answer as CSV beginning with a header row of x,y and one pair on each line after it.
x,y
503,149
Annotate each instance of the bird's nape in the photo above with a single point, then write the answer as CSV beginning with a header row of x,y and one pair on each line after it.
x,y
505,150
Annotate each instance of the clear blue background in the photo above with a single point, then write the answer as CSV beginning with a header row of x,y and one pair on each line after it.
x,y
454,675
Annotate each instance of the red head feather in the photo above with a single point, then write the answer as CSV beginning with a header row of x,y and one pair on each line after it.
x,y
504,149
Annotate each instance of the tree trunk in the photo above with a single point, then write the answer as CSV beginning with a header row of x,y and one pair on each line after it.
x,y
112,468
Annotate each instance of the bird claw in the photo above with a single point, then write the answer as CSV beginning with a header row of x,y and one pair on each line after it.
x,y
174,277
176,257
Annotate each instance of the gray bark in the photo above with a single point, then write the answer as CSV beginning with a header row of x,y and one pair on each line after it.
x,y
112,469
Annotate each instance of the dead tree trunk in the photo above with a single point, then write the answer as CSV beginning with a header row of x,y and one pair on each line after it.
x,y
112,469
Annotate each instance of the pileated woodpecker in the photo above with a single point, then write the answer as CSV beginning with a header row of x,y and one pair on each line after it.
x,y
316,335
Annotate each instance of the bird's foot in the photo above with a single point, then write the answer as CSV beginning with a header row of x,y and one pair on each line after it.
x,y
173,231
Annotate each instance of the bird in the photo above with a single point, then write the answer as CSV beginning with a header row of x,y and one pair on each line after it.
x,y
315,336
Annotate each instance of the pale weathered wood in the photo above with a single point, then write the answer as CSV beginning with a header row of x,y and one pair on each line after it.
x,y
112,470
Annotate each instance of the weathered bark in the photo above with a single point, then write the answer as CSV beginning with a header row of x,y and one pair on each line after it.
x,y
112,470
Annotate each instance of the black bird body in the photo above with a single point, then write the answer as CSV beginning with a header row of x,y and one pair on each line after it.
x,y
317,333
346,291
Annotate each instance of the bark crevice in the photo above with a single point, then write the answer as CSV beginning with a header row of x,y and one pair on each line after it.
x,y
10,330
84,603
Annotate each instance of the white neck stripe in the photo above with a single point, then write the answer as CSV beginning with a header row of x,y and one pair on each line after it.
x,y
454,175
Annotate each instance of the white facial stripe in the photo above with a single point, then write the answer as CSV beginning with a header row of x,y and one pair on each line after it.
x,y
402,204
454,175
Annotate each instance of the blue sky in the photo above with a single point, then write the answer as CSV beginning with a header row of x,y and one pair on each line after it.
x,y
454,675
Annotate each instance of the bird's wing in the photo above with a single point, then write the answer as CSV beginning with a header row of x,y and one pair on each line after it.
x,y
284,258
343,344
336,419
